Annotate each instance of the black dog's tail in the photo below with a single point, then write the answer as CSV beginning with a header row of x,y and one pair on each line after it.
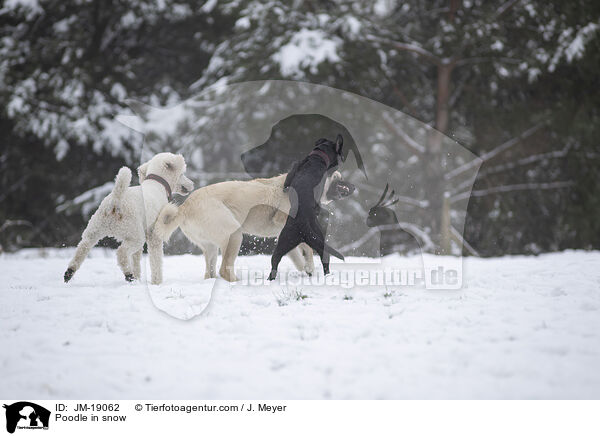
x,y
333,252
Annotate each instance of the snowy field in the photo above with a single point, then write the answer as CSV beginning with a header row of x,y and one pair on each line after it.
x,y
521,327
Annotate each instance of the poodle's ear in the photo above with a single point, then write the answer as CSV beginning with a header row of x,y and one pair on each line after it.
x,y
143,171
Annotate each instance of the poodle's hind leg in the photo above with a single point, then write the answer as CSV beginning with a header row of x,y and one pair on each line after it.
x,y
124,258
137,264
91,235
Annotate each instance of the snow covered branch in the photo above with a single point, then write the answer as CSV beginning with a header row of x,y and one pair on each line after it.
x,y
511,188
462,241
479,59
494,152
422,236
12,223
413,48
556,154
409,141
504,8
457,91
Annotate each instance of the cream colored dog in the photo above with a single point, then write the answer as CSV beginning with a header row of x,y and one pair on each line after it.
x,y
216,216
128,212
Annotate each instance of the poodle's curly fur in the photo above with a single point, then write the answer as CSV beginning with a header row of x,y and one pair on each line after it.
x,y
128,214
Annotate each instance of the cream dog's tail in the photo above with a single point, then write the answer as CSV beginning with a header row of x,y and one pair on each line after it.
x,y
122,182
167,222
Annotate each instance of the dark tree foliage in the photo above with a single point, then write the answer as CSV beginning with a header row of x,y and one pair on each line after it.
x,y
481,72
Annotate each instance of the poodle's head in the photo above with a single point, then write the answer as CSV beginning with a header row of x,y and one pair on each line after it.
x,y
170,167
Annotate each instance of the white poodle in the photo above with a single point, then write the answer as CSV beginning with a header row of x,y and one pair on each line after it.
x,y
128,214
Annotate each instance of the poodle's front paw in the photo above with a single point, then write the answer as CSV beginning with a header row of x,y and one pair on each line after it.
x,y
273,275
69,274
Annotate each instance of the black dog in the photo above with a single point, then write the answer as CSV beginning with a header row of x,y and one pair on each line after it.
x,y
306,178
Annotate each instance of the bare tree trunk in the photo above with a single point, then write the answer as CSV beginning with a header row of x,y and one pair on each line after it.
x,y
446,225
436,182
444,71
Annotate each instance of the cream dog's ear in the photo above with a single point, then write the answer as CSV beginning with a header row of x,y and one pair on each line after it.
x,y
143,171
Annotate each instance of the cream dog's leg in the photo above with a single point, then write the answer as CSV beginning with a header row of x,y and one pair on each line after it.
x,y
230,252
137,264
309,260
297,258
210,252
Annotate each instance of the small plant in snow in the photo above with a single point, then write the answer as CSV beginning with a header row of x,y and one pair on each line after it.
x,y
286,295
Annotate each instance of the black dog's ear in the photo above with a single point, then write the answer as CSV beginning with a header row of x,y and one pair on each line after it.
x,y
339,143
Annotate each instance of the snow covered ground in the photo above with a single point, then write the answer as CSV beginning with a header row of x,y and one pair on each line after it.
x,y
521,327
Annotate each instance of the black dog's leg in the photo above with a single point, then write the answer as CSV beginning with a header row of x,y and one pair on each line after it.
x,y
291,174
316,241
288,239
324,254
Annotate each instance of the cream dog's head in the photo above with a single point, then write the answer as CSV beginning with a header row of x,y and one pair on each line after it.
x,y
336,188
170,167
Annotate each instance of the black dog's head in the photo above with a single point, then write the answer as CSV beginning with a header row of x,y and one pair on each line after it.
x,y
332,149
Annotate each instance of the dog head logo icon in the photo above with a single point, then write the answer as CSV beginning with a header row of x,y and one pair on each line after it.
x,y
26,415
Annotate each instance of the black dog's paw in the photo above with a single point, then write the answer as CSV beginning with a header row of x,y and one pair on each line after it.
x,y
69,274
326,271
272,275
129,277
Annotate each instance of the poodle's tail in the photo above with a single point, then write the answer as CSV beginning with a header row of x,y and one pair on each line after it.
x,y
122,182
167,222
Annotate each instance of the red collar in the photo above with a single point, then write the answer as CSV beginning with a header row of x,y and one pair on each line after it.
x,y
163,182
323,155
